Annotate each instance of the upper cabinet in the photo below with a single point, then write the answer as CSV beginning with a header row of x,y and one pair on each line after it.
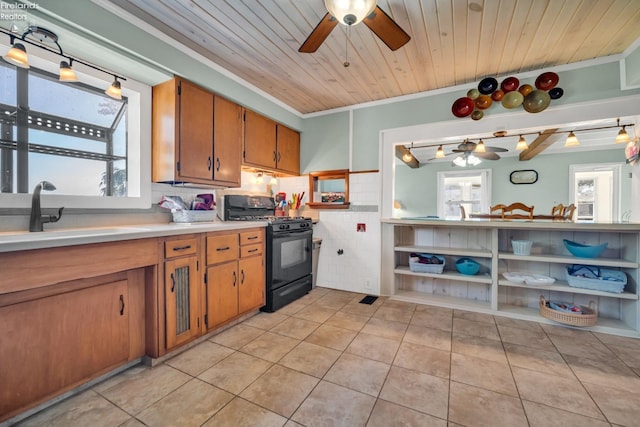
x,y
270,145
197,136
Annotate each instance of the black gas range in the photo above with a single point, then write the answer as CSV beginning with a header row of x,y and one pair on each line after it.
x,y
289,243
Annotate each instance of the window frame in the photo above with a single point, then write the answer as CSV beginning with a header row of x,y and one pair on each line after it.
x,y
485,179
616,184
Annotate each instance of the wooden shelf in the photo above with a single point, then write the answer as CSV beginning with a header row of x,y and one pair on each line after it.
x,y
321,205
481,253
447,275
442,301
562,286
561,259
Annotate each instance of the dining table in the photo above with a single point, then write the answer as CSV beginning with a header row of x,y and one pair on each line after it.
x,y
499,216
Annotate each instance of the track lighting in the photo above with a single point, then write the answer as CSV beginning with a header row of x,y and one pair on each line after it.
x,y
522,144
440,153
260,178
480,147
273,180
407,157
17,56
572,140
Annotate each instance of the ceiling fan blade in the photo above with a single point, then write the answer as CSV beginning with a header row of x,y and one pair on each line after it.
x,y
487,156
319,34
495,149
386,29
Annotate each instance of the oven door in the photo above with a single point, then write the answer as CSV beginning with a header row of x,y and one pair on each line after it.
x,y
291,256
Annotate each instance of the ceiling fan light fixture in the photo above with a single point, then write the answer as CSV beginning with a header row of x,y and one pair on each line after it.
x,y
480,148
473,160
572,140
623,136
440,153
350,12
522,144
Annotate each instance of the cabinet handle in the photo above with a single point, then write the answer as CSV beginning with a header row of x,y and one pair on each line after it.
x,y
173,282
235,278
121,305
181,248
226,248
209,163
242,279
252,238
274,156
253,250
279,156
217,164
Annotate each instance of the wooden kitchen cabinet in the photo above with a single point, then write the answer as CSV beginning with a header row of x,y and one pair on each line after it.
x,y
196,135
235,279
269,145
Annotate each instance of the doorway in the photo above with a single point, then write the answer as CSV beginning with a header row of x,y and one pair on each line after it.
x,y
595,190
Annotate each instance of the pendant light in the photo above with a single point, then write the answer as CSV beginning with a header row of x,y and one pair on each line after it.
x,y
623,136
480,148
522,144
407,156
17,56
572,140
440,153
114,91
66,72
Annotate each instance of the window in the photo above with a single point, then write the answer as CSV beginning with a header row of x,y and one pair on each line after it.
x,y
469,189
87,144
595,190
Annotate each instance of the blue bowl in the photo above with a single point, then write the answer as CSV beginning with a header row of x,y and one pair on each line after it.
x,y
467,266
584,251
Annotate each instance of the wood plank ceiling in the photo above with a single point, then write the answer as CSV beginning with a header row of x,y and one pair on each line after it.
x,y
453,42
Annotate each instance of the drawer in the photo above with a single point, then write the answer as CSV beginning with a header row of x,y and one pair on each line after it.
x,y
251,250
175,248
251,237
222,248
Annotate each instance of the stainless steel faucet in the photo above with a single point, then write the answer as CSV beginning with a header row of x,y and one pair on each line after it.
x,y
37,219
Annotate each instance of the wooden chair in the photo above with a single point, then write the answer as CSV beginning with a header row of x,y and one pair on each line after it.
x,y
558,211
499,208
567,212
511,211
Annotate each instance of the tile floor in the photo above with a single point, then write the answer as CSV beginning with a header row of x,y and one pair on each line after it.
x,y
326,360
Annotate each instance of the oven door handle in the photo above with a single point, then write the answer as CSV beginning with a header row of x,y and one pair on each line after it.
x,y
282,234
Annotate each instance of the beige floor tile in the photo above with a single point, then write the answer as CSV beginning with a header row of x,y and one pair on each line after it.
x,y
401,315
236,372
199,358
546,416
527,337
550,362
428,337
476,329
482,373
295,328
471,406
582,345
612,373
620,407
332,337
190,405
476,317
353,322
265,321
332,405
120,377
310,359
482,348
358,373
618,341
132,422
567,331
292,423
141,391
517,323
270,346
422,392
408,306
374,347
387,414
423,359
237,336
332,302
435,310
240,413
385,328
292,308
432,319
280,390
85,409
360,309
629,355
312,297
558,392
315,314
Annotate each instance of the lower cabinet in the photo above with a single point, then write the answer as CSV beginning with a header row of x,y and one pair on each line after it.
x,y
235,278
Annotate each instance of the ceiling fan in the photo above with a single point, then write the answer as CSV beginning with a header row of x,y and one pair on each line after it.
x,y
470,153
351,12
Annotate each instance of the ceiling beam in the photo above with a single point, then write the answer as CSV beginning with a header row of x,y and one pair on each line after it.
x,y
538,145
401,150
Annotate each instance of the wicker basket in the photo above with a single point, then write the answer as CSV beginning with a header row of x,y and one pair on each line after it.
x,y
194,216
521,247
602,279
589,315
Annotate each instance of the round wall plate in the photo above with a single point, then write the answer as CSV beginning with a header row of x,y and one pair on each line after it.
x,y
527,176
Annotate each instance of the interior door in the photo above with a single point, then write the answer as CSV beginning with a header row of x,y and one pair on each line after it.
x,y
196,132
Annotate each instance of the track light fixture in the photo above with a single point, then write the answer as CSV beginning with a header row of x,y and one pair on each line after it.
x,y
17,56
522,144
572,140
408,156
623,136
480,148
440,153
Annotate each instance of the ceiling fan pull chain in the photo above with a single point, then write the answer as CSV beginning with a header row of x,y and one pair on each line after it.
x,y
346,47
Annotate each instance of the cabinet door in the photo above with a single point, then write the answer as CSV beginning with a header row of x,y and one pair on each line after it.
x,y
222,293
227,141
252,283
54,343
196,133
259,140
181,300
288,143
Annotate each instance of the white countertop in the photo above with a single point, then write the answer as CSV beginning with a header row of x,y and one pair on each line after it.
x,y
24,240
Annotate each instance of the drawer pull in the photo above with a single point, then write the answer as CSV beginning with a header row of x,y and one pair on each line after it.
x,y
253,250
121,305
252,238
182,248
226,248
